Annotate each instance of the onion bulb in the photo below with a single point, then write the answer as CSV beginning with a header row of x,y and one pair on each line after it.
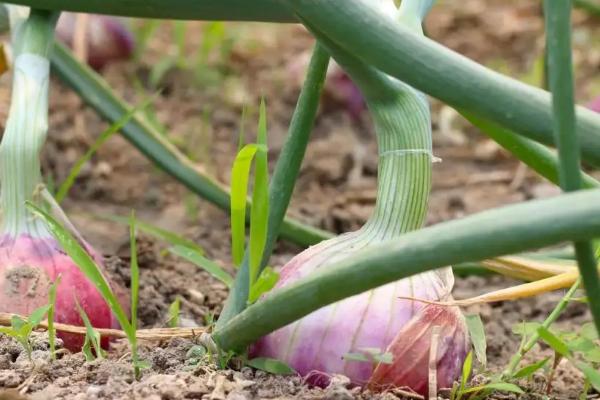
x,y
320,344
30,258
107,38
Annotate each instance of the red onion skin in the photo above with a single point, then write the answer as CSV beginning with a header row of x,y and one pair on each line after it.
x,y
316,345
108,39
410,351
29,265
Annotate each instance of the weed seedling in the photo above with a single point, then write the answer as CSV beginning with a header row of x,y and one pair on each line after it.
x,y
20,329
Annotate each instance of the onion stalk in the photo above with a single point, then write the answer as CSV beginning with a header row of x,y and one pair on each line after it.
x,y
378,323
30,258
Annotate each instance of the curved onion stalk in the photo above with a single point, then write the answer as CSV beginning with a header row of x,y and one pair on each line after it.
x,y
30,258
208,10
322,343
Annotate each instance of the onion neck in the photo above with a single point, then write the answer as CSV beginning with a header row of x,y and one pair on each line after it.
x,y
27,126
403,130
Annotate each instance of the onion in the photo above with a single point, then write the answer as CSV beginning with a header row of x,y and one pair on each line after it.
x,y
29,265
107,38
30,258
389,321
316,345
594,105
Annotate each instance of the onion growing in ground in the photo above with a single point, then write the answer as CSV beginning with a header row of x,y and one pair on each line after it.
x,y
379,322
106,39
30,258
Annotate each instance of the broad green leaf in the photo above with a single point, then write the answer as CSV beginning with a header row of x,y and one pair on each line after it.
x,y
170,237
240,175
466,371
554,341
84,262
588,331
591,374
529,370
209,266
37,315
580,344
499,386
259,213
271,365
266,281
104,136
477,332
17,322
9,331
196,352
592,355
526,328
174,310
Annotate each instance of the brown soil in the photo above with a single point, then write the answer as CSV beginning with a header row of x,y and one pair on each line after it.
x,y
336,191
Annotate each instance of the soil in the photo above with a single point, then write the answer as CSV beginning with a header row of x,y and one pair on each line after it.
x,y
336,191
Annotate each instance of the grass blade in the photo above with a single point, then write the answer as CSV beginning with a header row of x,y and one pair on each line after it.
x,y
466,372
63,190
51,310
135,271
266,281
174,311
527,371
477,333
259,216
209,266
240,175
92,337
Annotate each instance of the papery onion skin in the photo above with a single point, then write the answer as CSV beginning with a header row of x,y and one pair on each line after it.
x,y
29,265
411,351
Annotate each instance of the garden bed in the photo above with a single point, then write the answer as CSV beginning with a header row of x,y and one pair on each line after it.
x,y
336,191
